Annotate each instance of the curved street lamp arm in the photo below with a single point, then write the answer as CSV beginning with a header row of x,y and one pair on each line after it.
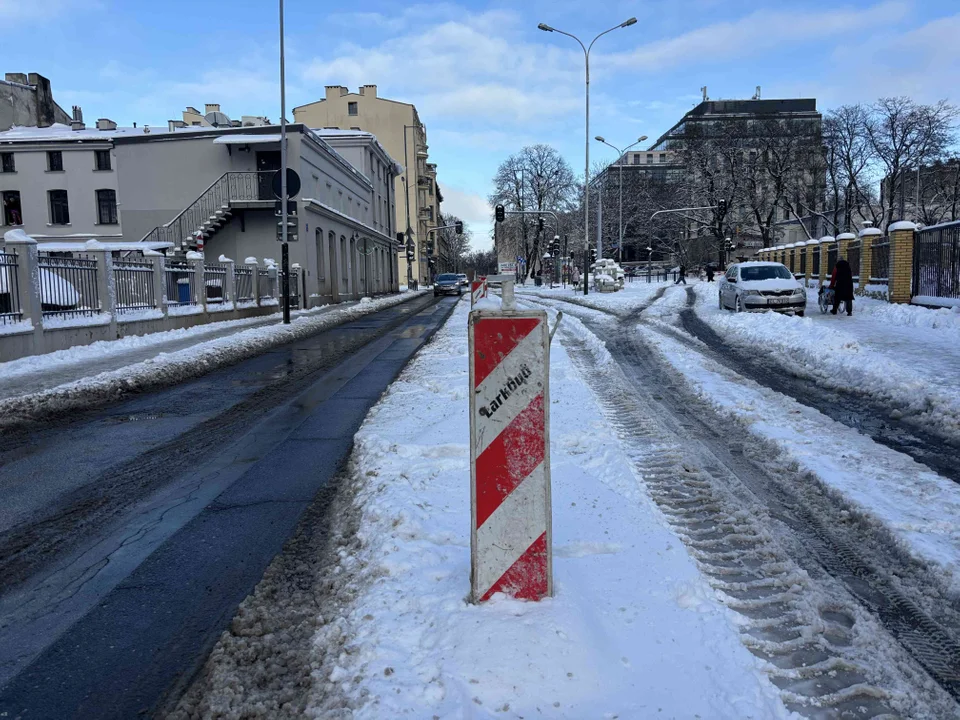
x,y
574,37
615,27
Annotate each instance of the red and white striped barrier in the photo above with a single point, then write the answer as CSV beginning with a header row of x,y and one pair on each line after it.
x,y
478,290
509,455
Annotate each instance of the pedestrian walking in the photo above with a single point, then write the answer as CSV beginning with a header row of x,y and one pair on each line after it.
x,y
709,274
575,277
682,277
841,282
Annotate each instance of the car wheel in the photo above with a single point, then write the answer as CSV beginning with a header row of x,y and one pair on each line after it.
x,y
436,294
739,305
800,313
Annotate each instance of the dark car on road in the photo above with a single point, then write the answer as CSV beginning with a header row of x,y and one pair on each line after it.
x,y
447,284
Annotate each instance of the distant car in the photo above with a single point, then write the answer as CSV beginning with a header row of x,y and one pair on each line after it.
x,y
757,286
462,279
447,284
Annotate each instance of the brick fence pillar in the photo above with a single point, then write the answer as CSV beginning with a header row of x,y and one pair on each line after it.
x,y
825,243
901,261
867,237
808,249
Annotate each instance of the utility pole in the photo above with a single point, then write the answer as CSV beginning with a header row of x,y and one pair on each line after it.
x,y
285,248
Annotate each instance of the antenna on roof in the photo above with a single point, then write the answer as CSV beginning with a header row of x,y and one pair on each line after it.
x,y
704,91
756,95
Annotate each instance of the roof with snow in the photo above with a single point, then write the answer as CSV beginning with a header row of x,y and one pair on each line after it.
x,y
59,132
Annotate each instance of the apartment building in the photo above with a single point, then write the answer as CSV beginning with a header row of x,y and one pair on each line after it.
x,y
210,187
398,128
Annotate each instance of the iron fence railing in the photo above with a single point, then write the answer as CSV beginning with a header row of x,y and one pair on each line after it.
x,y
832,253
803,262
880,264
294,287
68,286
815,270
179,279
213,203
853,257
215,283
243,284
10,309
133,280
936,261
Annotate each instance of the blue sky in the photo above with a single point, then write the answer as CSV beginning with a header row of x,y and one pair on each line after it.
x,y
485,80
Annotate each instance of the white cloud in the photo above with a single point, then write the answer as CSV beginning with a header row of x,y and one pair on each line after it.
x,y
472,208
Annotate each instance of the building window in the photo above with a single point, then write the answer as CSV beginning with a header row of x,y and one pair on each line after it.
x,y
6,163
636,158
102,159
11,208
55,161
319,242
59,209
107,207
352,108
649,158
663,157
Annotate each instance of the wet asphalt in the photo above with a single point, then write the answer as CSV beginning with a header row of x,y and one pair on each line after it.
x,y
129,535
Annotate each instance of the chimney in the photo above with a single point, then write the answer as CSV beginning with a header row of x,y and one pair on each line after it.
x,y
20,78
211,107
46,107
106,124
334,91
77,122
369,91
175,125
192,110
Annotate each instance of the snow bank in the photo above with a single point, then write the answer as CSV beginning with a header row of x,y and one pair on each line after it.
x,y
634,631
890,352
633,295
920,508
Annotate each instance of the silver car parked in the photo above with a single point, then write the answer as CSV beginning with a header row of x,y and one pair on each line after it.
x,y
757,286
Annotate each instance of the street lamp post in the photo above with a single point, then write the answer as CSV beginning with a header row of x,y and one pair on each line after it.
x,y
285,248
623,152
406,187
586,172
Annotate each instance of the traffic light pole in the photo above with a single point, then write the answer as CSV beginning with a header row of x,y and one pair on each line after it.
x,y
285,251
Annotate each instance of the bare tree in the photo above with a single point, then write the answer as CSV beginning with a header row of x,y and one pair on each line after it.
x,y
904,135
457,245
536,178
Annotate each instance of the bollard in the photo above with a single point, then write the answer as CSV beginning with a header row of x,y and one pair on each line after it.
x,y
510,536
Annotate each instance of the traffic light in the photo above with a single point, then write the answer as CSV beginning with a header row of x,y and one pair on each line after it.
x,y
540,224
459,227
500,213
593,254
400,240
722,206
409,254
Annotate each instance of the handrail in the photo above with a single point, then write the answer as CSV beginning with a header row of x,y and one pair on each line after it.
x,y
220,192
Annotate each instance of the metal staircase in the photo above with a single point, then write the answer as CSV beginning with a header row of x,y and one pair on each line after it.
x,y
213,209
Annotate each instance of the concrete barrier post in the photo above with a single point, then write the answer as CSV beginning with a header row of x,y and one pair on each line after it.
x,y
198,282
230,283
159,279
106,285
901,261
254,268
28,280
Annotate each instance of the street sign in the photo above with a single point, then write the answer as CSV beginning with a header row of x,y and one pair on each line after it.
x,y
508,268
510,537
278,207
478,290
293,183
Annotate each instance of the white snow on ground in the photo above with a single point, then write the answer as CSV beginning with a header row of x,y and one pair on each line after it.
x,y
634,630
920,508
633,295
906,356
168,368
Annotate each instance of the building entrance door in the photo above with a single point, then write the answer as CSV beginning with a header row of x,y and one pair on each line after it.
x,y
268,162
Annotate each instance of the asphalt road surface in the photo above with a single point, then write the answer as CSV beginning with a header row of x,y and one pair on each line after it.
x,y
130,534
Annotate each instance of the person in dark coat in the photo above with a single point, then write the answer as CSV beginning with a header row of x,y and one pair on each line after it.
x,y
841,282
709,274
682,277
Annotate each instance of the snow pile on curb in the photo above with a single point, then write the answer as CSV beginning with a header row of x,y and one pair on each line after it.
x,y
166,369
634,631
836,358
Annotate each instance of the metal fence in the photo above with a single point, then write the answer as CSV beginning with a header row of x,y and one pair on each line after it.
x,y
243,284
215,283
815,270
134,284
936,261
832,253
803,261
179,280
68,286
294,288
10,310
880,265
853,257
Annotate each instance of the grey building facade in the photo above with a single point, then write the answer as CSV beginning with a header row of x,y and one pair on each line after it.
x,y
27,100
212,187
